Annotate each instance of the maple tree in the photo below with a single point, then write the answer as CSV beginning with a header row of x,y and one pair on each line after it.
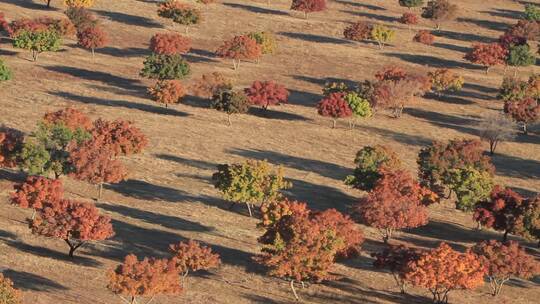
x,y
396,258
192,256
369,161
409,18
11,142
272,211
443,269
524,30
424,37
344,228
445,80
81,18
393,204
488,54
532,12
240,48
440,11
181,13
146,278
391,73
267,93
73,221
70,117
38,41
358,31
121,136
395,95
165,67
92,38
360,107
382,35
470,186
37,192
334,106
308,6
170,44
229,101
167,92
266,40
210,84
520,56
251,182
524,112
63,26
8,293
504,261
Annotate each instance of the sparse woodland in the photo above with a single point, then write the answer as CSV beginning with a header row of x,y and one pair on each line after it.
x,y
355,151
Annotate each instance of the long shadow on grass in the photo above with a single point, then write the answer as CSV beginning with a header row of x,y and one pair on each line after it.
x,y
199,164
414,140
322,168
31,4
29,281
433,61
123,52
319,196
107,78
314,38
490,25
255,9
273,114
461,124
12,176
120,104
130,19
361,5
302,98
513,166
505,13
451,47
467,37
377,17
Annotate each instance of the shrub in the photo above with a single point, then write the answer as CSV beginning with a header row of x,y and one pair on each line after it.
x,y
369,161
334,106
165,67
240,48
92,38
266,40
37,41
251,182
409,19
393,204
358,31
9,294
37,192
267,93
146,278
73,221
81,18
382,35
495,129
411,3
438,161
487,54
445,80
520,55
470,186
11,142
504,261
391,73
79,3
121,136
5,72
443,269
524,112
170,44
396,258
192,256
180,13
308,6
440,11
167,92
210,84
231,102
532,12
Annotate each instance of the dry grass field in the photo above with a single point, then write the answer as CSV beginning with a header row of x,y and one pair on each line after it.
x,y
169,195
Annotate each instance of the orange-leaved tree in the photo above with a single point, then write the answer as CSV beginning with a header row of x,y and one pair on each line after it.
x,y
11,142
9,294
192,256
74,222
170,44
488,54
121,136
396,258
334,106
92,37
146,278
37,192
267,93
443,269
168,92
308,6
240,48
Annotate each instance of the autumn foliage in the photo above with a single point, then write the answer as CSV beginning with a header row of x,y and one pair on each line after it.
x,y
409,18
92,38
70,117
9,294
358,31
391,73
240,48
74,222
192,256
121,136
272,211
209,84
396,258
170,44
168,92
440,11
267,93
146,278
11,142
308,6
369,161
443,269
488,54
424,37
525,111
394,203
37,192
334,106
504,261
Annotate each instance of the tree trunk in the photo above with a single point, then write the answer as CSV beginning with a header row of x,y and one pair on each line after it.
x,y
294,291
48,3
505,235
333,123
73,247
93,54
229,119
525,131
249,209
34,55
100,191
133,300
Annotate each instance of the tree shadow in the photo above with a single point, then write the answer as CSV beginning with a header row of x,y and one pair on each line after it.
x,y
167,221
258,299
31,4
461,124
12,175
322,81
199,164
29,281
433,61
451,47
361,5
196,59
467,37
377,17
413,140
321,168
129,19
314,38
449,97
146,191
273,114
505,13
107,78
302,98
7,53
255,9
196,102
319,196
513,166
120,104
125,52
487,24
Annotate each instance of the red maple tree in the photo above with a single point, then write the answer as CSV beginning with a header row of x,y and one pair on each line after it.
x,y
92,37
240,48
409,18
391,73
334,106
37,192
192,256
396,258
345,228
308,6
73,221
11,142
170,44
120,135
168,92
488,54
424,37
70,117
273,211
358,31
267,93
524,111
146,278
393,204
